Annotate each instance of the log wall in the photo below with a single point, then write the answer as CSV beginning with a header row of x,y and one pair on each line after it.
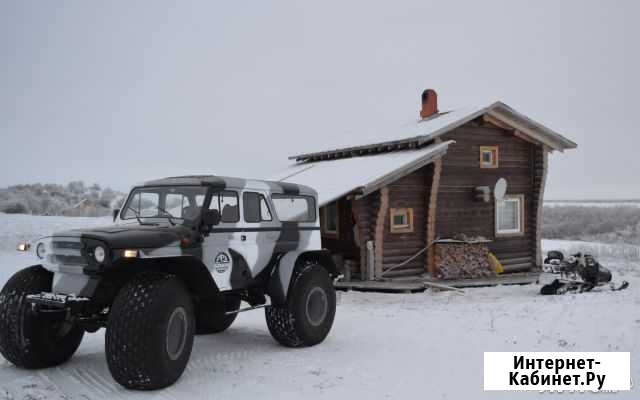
x,y
458,212
362,213
411,191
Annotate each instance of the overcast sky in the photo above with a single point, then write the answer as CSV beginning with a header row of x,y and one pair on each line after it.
x,y
120,92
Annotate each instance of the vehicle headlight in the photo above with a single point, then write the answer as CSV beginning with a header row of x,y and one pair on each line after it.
x,y
99,254
40,250
23,246
130,253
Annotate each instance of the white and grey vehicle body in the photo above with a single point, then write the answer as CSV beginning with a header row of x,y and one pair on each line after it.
x,y
182,255
261,231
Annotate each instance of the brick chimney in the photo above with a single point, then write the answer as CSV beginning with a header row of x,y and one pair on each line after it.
x,y
429,103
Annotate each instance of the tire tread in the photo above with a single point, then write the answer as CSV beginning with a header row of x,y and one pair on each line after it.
x,y
29,349
131,358
281,320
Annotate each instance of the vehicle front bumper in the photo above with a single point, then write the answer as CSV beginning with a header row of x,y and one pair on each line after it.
x,y
58,301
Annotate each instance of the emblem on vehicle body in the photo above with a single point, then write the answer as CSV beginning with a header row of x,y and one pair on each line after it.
x,y
221,262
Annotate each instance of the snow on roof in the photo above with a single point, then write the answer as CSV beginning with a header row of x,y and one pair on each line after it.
x,y
418,133
333,179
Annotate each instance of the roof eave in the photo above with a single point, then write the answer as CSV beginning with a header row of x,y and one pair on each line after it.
x,y
409,168
526,125
401,144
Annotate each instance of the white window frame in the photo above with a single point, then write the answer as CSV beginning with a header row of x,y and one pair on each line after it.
x,y
519,199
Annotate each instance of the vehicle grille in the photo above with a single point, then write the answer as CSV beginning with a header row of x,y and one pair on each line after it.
x,y
66,251
59,244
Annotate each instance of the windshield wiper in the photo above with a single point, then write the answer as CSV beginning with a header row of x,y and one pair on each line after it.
x,y
135,212
168,215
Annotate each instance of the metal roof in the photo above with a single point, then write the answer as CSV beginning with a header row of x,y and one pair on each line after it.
x,y
421,132
336,178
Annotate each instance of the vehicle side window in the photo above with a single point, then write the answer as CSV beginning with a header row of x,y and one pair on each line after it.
x,y
294,208
265,213
226,202
255,207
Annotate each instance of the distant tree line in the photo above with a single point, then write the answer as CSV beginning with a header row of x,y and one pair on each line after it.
x,y
620,224
73,199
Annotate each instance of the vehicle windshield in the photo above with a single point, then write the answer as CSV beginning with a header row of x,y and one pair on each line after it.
x,y
178,204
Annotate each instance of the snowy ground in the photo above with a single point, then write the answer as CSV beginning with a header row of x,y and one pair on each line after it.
x,y
383,346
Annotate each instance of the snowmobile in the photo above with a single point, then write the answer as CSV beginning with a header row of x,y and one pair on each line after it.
x,y
578,273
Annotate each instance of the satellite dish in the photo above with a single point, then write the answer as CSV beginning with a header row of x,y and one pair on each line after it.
x,y
500,189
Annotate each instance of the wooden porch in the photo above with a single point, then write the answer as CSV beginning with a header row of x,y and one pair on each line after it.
x,y
420,284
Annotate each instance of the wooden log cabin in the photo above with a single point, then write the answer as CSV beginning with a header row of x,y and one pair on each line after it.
x,y
430,198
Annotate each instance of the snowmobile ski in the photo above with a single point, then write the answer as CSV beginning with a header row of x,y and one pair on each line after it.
x,y
560,286
622,286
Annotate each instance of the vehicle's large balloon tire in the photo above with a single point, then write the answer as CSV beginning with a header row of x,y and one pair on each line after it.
x,y
150,332
26,339
307,316
211,315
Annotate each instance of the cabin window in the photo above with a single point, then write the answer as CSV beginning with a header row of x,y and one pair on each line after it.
x,y
330,220
510,215
401,220
226,202
255,207
294,208
488,156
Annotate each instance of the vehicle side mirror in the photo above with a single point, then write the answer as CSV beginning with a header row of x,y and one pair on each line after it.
x,y
211,218
115,214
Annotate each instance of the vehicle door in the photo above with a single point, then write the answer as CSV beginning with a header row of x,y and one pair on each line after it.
x,y
218,246
260,233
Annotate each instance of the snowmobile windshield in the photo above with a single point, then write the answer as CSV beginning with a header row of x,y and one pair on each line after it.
x,y
176,204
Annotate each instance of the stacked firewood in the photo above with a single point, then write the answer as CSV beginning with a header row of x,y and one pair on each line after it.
x,y
462,260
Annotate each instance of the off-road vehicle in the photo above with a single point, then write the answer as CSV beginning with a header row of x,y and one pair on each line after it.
x,y
183,254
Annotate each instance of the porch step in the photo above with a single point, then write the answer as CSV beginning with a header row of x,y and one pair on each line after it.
x,y
517,278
